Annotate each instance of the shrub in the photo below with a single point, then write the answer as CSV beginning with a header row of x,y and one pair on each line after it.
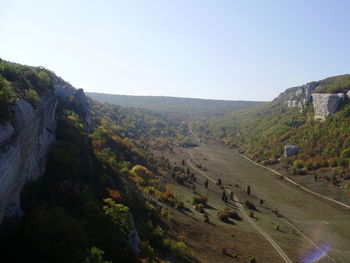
x,y
95,256
7,97
343,163
206,218
32,96
200,200
223,215
165,213
345,153
224,250
147,251
248,190
142,171
206,182
249,205
199,208
231,195
119,214
332,162
299,164
234,215
227,213
177,248
251,214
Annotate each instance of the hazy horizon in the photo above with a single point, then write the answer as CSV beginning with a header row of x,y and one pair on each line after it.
x,y
165,96
227,50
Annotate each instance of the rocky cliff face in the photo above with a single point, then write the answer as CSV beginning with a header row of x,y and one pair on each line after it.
x,y
67,94
301,96
24,145
25,140
325,104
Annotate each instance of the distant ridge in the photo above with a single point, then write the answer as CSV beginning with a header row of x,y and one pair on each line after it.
x,y
184,106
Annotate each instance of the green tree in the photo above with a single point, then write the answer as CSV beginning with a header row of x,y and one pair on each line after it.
x,y
206,182
119,214
248,190
231,195
223,196
95,256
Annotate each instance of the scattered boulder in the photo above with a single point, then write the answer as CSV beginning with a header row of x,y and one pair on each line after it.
x,y
290,150
325,104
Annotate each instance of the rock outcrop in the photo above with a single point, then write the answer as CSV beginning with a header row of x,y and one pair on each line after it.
x,y
301,96
134,237
73,98
290,150
24,145
325,104
25,140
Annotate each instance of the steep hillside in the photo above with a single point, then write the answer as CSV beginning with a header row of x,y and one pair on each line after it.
x,y
308,117
76,184
181,106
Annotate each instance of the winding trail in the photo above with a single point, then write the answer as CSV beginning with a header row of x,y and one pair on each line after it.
x,y
244,213
296,184
286,178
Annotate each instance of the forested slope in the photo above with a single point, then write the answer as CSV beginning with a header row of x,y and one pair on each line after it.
x,y
263,132
98,199
180,106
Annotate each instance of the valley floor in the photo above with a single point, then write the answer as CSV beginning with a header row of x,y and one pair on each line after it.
x,y
309,227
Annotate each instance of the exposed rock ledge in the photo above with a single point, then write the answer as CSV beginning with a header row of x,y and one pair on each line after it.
x,y
325,104
24,146
300,97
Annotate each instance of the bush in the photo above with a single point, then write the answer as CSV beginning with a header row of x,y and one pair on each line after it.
x,y
199,208
223,215
31,96
224,250
95,256
248,191
206,218
345,153
299,164
227,213
200,200
249,205
7,97
343,163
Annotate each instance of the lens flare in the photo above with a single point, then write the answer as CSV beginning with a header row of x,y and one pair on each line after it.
x,y
316,254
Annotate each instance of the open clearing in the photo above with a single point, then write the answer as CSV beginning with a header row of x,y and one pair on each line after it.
x,y
306,222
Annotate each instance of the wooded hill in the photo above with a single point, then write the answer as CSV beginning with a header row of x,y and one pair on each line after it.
x,y
262,132
180,106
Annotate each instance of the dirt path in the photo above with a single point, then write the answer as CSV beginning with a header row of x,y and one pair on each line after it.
x,y
244,213
286,178
296,184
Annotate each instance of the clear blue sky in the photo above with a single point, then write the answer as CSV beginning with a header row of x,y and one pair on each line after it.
x,y
250,50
